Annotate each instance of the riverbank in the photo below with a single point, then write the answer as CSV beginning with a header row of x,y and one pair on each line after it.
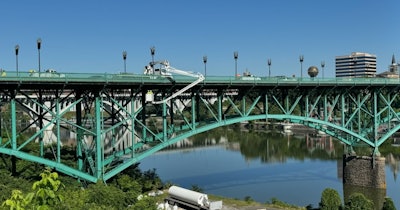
x,y
249,204
235,204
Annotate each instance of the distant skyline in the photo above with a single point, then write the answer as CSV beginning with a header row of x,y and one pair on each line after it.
x,y
89,36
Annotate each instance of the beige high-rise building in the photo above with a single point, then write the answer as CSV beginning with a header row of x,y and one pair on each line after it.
x,y
357,64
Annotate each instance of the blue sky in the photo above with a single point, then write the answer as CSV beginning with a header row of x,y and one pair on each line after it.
x,y
90,35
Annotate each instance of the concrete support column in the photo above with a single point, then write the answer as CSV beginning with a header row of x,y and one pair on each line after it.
x,y
364,171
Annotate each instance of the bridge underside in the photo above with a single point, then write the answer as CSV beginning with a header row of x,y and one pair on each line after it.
x,y
111,127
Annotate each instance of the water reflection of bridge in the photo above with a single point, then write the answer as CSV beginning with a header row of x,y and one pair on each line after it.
x,y
322,142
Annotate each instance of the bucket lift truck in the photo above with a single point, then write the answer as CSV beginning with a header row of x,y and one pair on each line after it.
x,y
166,70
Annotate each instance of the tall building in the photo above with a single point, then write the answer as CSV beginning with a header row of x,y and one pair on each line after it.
x,y
356,65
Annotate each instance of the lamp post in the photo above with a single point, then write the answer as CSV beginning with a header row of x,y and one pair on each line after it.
x,y
205,65
235,56
269,67
16,58
152,52
39,45
323,66
301,58
124,53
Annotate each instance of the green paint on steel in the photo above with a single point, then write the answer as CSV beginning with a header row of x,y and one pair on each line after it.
x,y
113,106
13,125
98,139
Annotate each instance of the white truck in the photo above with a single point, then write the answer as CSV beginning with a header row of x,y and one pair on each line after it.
x,y
187,198
47,73
248,76
166,70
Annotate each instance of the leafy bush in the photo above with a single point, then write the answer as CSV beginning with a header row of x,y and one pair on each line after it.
x,y
280,203
146,203
44,196
330,200
388,204
359,201
105,195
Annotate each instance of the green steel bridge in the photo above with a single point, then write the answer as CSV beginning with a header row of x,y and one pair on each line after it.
x,y
115,120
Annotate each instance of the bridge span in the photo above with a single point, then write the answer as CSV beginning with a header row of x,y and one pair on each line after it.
x,y
114,123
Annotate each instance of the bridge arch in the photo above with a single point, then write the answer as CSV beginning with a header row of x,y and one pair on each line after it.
x,y
350,110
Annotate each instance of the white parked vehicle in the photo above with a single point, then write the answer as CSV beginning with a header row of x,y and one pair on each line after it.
x,y
47,73
248,76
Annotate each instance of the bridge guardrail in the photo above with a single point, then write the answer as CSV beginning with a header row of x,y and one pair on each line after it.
x,y
141,78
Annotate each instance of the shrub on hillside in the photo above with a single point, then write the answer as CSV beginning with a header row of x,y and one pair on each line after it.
x,y
358,201
330,200
388,204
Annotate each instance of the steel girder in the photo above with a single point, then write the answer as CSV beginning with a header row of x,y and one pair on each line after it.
x,y
112,128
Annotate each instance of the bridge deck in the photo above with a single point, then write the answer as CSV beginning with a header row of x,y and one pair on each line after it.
x,y
123,80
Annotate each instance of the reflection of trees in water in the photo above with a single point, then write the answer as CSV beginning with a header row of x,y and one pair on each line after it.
x,y
394,164
277,147
274,146
267,145
391,153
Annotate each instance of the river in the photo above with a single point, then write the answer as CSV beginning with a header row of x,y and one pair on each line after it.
x,y
238,163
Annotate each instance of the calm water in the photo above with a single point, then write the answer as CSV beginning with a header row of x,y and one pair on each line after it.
x,y
236,164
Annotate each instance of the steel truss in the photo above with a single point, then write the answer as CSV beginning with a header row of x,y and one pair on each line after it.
x,y
113,127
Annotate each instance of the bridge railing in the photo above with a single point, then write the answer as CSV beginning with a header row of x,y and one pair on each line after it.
x,y
79,77
131,77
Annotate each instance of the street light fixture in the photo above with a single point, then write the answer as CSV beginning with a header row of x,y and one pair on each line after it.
x,y
301,58
152,52
323,66
205,65
235,56
39,45
124,54
269,67
16,57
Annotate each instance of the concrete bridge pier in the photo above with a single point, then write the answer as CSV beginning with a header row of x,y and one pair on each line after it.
x,y
364,171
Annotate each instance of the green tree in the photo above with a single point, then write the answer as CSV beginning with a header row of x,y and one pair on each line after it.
x,y
105,195
248,199
388,204
145,203
330,200
131,187
44,195
17,201
150,180
77,199
359,201
45,190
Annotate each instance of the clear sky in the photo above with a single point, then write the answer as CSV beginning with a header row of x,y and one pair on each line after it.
x,y
90,35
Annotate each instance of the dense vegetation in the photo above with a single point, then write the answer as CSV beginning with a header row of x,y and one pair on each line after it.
x,y
330,200
52,191
35,187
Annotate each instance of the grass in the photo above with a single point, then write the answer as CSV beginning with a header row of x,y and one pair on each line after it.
x,y
248,202
244,203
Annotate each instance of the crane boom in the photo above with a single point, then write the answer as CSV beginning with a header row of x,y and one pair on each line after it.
x,y
167,71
